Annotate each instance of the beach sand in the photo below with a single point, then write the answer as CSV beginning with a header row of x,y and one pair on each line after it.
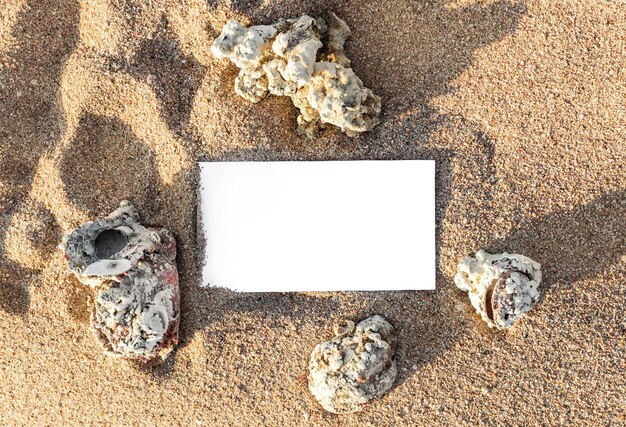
x,y
521,104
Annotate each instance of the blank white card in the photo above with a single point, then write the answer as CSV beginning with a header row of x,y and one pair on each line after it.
x,y
318,226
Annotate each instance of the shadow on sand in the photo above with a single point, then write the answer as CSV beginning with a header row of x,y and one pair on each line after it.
x,y
591,235
46,32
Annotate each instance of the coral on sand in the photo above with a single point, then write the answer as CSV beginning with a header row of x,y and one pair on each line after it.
x,y
355,367
304,59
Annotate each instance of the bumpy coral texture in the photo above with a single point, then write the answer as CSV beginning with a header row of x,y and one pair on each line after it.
x,y
501,287
133,270
354,367
304,59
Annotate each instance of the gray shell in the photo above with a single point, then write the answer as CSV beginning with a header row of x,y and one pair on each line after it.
x,y
133,270
501,287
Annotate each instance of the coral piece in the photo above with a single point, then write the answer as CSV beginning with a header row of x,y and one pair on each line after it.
x,y
354,367
304,59
133,270
501,287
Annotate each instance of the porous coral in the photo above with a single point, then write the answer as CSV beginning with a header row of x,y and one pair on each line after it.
x,y
304,59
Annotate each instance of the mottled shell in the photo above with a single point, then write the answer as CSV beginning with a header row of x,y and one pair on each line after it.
x,y
501,287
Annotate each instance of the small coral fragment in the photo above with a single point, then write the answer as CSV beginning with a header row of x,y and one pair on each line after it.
x,y
355,367
501,287
304,59
133,271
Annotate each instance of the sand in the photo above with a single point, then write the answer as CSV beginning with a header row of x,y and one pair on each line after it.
x,y
521,104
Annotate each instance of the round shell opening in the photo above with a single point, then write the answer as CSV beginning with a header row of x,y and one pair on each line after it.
x,y
109,242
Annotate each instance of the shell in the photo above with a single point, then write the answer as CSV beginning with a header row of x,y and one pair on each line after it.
x,y
501,287
355,367
108,267
133,270
304,59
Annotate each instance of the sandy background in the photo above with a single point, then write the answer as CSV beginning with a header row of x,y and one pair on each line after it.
x,y
522,105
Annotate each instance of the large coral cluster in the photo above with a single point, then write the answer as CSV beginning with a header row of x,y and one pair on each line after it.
x,y
133,271
304,59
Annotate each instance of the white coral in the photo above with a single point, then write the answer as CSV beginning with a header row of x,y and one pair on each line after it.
x,y
251,84
354,367
243,46
288,58
340,98
277,85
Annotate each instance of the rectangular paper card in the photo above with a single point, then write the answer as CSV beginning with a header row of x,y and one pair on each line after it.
x,y
318,226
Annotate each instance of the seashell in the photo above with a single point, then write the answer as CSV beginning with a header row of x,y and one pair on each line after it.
x,y
124,229
133,270
118,236
108,267
355,367
501,287
138,317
